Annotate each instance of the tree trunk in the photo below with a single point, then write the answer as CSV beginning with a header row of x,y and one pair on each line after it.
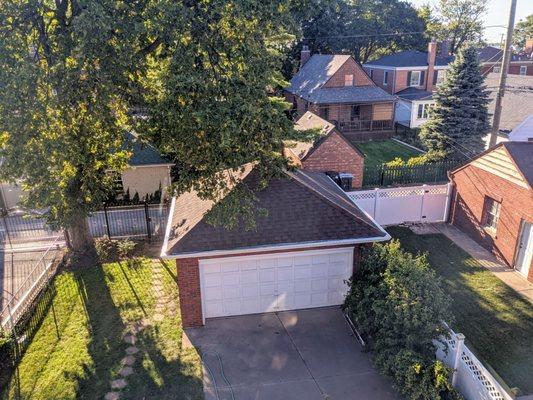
x,y
81,242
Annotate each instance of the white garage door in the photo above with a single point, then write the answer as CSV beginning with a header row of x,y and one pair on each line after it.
x,y
275,282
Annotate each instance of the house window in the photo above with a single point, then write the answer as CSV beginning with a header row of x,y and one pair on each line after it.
x,y
348,80
385,78
325,113
441,74
496,69
491,213
355,112
423,110
371,73
523,70
415,78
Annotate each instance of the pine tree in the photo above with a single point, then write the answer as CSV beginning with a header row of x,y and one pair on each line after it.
x,y
459,119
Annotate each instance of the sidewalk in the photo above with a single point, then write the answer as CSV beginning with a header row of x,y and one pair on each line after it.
x,y
485,258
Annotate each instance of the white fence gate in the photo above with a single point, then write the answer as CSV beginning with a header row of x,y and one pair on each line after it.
x,y
470,377
425,203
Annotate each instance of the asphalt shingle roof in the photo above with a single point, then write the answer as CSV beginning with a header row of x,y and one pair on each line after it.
x,y
413,93
522,155
494,55
143,153
409,58
306,207
307,83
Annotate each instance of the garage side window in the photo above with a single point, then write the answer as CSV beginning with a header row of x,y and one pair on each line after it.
x,y
491,213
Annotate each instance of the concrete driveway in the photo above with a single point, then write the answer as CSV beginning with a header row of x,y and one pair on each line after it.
x,y
304,354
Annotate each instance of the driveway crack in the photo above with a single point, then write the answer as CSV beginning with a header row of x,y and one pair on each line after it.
x,y
302,358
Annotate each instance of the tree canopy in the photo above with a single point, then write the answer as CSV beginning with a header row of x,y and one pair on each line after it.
x,y
523,30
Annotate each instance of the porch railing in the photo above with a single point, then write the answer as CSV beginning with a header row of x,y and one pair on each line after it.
x,y
363,125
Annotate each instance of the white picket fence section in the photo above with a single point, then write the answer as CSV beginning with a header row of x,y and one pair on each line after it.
x,y
392,206
470,377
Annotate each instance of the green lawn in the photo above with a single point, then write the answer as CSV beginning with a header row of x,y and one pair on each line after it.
x,y
382,151
78,347
497,321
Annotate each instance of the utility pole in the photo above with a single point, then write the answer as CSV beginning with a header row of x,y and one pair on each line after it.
x,y
503,76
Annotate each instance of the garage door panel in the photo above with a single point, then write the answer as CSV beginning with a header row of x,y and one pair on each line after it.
x,y
281,282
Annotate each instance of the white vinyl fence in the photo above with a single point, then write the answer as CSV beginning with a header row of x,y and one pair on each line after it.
x,y
424,203
470,377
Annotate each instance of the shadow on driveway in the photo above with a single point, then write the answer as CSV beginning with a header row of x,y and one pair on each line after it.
x,y
305,354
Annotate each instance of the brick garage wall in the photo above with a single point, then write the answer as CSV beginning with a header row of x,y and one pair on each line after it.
x,y
188,273
514,69
335,154
190,293
472,184
350,67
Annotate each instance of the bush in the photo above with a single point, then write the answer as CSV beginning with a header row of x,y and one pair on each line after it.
x,y
426,158
399,306
109,250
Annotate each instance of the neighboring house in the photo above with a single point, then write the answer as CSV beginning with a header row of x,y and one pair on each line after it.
x,y
332,152
493,202
412,76
491,61
336,88
523,132
299,255
147,173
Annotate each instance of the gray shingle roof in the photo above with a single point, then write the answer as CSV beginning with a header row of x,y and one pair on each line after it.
x,y
412,93
304,208
409,58
522,155
349,94
493,54
143,153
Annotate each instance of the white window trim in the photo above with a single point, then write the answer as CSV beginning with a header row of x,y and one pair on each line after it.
x,y
496,69
385,75
419,77
523,68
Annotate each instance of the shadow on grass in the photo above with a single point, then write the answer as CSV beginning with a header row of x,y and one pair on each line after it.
x,y
497,321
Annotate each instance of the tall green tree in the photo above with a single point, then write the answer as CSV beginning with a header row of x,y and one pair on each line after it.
x,y
459,119
462,21
523,30
64,69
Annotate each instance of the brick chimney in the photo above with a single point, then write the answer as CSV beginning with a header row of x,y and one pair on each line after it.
x,y
305,55
432,55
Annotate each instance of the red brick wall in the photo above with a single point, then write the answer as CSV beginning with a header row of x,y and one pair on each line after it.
x,y
377,77
514,68
334,154
189,291
189,282
472,184
350,67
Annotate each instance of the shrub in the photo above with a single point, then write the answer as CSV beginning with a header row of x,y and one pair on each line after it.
x,y
399,306
107,250
126,248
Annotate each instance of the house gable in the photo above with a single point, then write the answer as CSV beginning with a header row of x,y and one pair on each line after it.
x,y
335,153
350,67
498,162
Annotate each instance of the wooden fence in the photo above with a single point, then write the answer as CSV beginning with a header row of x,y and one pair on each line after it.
x,y
402,175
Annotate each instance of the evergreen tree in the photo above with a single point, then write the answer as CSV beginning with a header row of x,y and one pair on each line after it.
x,y
459,119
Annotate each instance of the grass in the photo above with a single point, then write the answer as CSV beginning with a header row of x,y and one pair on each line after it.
x,y
496,320
379,152
78,347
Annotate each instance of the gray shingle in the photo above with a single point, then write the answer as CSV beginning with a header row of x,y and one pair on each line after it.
x,y
409,58
349,94
143,153
412,93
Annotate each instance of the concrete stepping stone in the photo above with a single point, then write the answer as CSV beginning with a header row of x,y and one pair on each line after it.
x,y
112,396
119,384
132,350
125,371
130,339
128,360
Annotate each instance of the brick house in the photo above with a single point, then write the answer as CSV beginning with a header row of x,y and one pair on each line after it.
x,y
332,151
336,88
300,254
491,61
412,76
493,202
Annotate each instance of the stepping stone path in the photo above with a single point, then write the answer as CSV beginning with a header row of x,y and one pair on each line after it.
x,y
164,303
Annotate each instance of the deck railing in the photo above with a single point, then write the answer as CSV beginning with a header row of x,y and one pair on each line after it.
x,y
364,125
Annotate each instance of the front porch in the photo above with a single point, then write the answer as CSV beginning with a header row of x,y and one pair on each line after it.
x,y
376,120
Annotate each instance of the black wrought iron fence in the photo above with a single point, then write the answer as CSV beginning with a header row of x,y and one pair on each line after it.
x,y
383,175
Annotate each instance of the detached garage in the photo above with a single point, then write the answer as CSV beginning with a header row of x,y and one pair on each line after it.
x,y
300,254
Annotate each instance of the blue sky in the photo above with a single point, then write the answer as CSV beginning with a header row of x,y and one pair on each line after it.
x,y
498,13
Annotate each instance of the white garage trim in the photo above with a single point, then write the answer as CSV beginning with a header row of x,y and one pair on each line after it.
x,y
289,246
331,270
